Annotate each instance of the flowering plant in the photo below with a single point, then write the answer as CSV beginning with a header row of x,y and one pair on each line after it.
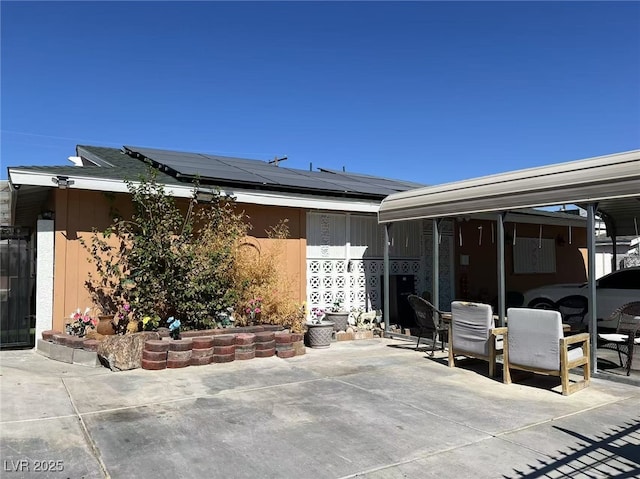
x,y
254,308
174,327
317,314
336,307
225,319
150,323
81,322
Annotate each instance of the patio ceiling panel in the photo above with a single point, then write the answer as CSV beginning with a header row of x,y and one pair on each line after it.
x,y
601,179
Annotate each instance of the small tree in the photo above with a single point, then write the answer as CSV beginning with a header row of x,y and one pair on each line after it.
x,y
166,262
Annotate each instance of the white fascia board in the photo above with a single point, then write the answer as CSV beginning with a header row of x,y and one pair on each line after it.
x,y
23,177
40,178
299,201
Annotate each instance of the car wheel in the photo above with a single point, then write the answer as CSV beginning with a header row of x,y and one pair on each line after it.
x,y
542,304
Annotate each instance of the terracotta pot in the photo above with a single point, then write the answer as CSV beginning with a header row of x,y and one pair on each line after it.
x,y
105,325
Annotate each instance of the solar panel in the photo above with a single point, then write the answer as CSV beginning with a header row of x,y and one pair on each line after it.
x,y
241,170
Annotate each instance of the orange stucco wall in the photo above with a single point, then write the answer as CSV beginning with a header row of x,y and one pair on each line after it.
x,y
481,275
78,211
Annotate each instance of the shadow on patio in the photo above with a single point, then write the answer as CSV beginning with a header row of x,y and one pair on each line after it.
x,y
615,453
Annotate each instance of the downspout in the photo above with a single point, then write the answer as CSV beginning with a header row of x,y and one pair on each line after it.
x,y
591,282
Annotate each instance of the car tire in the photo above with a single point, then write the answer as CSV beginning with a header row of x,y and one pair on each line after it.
x,y
542,304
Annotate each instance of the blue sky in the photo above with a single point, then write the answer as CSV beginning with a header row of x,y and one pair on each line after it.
x,y
426,91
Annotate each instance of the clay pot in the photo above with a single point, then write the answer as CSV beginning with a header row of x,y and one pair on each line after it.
x,y
105,325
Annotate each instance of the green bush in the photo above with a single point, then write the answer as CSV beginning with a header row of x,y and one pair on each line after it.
x,y
166,262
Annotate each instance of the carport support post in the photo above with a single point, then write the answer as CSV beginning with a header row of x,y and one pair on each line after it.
x,y
435,280
591,268
385,293
501,279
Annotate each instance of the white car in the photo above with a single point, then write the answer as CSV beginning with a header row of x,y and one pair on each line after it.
x,y
612,291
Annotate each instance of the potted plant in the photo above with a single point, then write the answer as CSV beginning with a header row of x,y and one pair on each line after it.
x,y
319,331
80,323
338,316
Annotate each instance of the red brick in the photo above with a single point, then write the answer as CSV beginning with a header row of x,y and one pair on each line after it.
x,y
286,354
266,345
75,342
245,355
199,361
272,327
203,342
60,338
295,337
154,355
48,334
222,358
201,353
245,348
224,349
265,353
284,347
157,345
245,338
175,364
153,365
283,338
224,340
178,355
180,345
265,337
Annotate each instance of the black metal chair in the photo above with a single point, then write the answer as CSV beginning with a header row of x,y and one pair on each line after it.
x,y
428,320
573,309
626,335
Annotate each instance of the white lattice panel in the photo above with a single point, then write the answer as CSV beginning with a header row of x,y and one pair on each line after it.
x,y
348,265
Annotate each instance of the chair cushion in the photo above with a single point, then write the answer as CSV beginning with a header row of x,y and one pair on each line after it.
x,y
575,353
534,338
614,337
471,323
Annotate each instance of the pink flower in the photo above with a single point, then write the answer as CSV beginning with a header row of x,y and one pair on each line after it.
x,y
126,307
258,310
248,310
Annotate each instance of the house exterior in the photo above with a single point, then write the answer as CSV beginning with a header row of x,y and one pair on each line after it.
x,y
335,249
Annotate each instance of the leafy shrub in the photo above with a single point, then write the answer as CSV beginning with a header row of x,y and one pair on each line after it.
x,y
260,274
166,262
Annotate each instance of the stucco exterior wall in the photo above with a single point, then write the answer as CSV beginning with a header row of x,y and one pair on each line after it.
x,y
77,212
480,276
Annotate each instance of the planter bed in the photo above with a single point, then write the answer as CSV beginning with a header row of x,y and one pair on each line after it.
x,y
87,352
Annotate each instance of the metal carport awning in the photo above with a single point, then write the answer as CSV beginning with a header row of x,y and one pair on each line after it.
x,y
609,184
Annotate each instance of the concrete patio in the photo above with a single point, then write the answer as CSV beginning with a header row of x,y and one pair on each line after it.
x,y
373,409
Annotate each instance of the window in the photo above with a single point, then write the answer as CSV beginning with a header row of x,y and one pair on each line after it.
x,y
534,256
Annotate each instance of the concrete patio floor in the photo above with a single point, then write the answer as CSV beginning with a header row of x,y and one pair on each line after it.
x,y
372,409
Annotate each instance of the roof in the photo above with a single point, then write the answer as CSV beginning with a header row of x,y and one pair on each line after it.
x,y
612,181
183,168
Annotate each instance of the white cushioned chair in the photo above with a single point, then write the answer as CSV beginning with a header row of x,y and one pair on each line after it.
x,y
470,333
534,341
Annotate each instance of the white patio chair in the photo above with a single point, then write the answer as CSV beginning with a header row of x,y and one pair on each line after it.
x,y
470,333
534,341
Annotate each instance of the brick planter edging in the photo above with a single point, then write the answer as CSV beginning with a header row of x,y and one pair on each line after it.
x,y
71,349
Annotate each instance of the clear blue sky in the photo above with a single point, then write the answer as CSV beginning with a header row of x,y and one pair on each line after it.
x,y
426,91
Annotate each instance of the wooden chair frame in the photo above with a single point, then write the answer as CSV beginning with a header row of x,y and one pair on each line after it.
x,y
565,365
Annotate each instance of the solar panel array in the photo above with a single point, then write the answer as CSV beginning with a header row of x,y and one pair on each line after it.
x,y
223,169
